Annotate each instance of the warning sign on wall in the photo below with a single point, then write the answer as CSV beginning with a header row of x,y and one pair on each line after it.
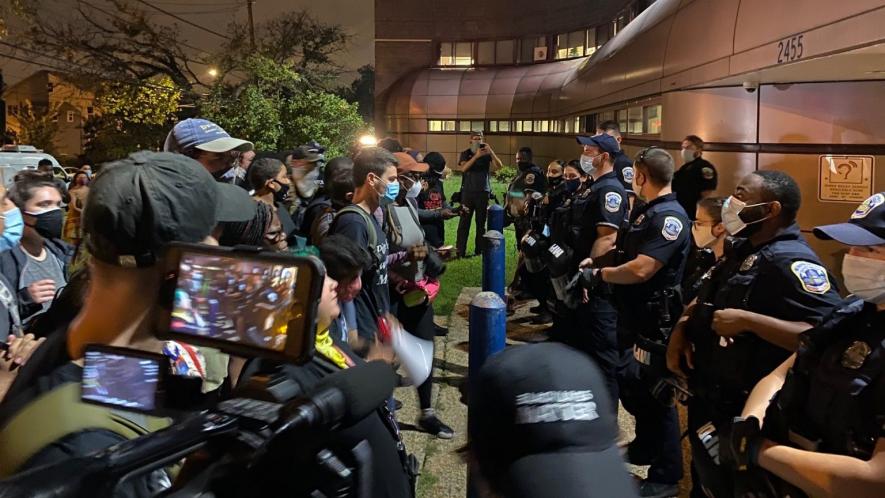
x,y
845,178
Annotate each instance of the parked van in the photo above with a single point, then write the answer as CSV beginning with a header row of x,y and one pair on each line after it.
x,y
14,158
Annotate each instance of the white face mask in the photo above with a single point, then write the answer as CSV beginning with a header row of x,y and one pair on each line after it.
x,y
307,185
731,215
587,164
865,278
703,235
414,190
688,155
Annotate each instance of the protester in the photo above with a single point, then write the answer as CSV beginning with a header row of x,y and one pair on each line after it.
x,y
45,167
305,164
433,198
37,267
391,145
340,190
207,143
477,164
322,202
542,425
78,192
12,221
87,169
136,207
270,181
374,174
264,230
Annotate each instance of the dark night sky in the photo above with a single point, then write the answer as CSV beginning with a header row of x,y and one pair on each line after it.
x,y
356,16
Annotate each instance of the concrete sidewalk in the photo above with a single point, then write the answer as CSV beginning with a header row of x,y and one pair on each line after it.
x,y
443,470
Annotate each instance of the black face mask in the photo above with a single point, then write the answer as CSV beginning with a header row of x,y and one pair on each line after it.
x,y
554,181
572,186
281,195
49,224
524,165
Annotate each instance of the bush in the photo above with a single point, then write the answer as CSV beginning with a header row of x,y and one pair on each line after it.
x,y
506,174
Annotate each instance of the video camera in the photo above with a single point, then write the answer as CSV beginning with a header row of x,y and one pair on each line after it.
x,y
270,437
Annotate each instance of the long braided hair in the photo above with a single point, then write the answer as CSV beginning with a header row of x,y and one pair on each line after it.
x,y
249,233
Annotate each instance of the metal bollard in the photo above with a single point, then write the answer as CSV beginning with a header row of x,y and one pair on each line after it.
x,y
496,218
493,263
488,322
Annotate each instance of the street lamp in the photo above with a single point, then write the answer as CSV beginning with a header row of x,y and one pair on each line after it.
x,y
213,72
368,141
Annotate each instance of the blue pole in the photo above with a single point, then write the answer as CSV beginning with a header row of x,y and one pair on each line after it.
x,y
496,218
488,322
493,263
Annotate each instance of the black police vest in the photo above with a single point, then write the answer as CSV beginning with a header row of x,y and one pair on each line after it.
x,y
829,402
725,374
560,221
655,304
585,215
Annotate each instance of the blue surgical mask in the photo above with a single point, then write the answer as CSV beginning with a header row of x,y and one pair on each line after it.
x,y
392,191
13,228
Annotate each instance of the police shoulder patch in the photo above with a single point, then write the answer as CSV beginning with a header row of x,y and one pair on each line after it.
x,y
707,173
672,228
613,202
627,173
530,179
868,206
813,277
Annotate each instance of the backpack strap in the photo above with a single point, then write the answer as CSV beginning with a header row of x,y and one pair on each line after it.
x,y
60,413
370,227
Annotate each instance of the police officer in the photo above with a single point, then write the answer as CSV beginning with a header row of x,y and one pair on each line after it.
x,y
652,248
596,214
559,255
697,178
750,310
529,179
623,163
824,408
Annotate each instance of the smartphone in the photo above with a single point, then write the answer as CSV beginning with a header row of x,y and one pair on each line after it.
x,y
123,378
243,302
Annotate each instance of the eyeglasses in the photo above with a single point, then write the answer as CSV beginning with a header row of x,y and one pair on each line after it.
x,y
275,237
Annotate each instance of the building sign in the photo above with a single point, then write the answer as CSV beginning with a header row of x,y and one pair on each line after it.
x,y
845,178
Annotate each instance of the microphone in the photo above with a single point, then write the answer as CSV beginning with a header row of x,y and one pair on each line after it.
x,y
342,398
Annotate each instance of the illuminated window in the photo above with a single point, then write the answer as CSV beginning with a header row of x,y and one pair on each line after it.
x,y
485,52
653,119
622,119
527,48
436,125
503,126
570,45
606,116
542,126
471,126
504,51
523,126
577,124
634,120
591,41
70,116
456,54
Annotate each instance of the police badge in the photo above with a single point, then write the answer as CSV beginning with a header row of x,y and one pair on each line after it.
x,y
749,262
856,354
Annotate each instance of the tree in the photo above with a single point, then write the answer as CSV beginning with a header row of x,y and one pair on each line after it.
x,y
38,125
278,110
131,118
296,40
362,92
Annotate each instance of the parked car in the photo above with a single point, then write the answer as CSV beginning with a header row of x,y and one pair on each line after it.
x,y
15,158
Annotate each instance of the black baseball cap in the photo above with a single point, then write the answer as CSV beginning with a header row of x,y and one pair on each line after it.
x,y
139,204
606,143
866,227
543,424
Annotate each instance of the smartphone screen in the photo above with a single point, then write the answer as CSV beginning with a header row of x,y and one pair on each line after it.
x,y
234,300
122,380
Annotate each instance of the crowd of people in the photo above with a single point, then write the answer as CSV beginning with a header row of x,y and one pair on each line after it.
x,y
656,290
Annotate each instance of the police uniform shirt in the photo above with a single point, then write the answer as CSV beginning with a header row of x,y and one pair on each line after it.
x,y
782,278
530,179
690,180
605,204
661,230
624,170
833,401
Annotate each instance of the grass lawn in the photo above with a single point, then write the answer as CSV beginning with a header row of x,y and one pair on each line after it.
x,y
468,272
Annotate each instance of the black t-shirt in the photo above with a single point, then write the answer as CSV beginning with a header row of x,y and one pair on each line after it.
x,y
374,298
434,198
692,179
476,179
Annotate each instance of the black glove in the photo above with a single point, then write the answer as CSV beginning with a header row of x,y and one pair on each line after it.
x,y
739,443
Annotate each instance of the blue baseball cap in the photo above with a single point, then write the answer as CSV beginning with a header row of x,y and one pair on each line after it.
x,y
202,134
866,227
605,143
